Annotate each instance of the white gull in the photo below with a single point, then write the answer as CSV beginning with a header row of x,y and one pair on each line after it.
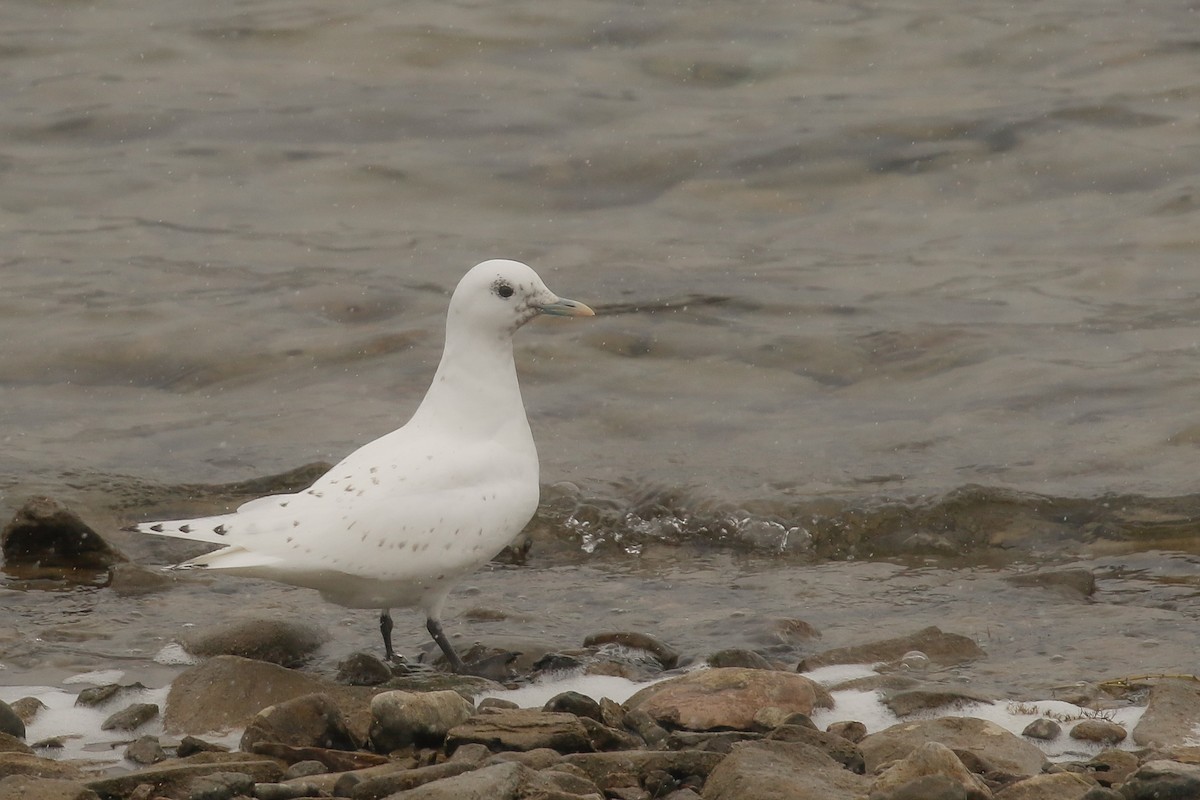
x,y
402,519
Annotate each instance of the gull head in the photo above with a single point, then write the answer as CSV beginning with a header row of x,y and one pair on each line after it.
x,y
501,296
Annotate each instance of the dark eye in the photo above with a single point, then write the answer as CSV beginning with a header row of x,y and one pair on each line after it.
x,y
504,289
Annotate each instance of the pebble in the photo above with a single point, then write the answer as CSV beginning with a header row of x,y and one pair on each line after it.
x,y
1042,728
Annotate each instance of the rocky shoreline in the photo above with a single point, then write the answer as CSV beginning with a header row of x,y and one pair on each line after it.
x,y
739,729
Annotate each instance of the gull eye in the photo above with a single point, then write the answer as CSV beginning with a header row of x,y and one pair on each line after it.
x,y
504,289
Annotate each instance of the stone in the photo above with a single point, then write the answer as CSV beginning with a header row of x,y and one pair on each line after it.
x,y
11,744
630,768
987,740
11,722
612,713
710,741
781,771
1102,793
134,580
171,778
521,729
25,787
190,745
539,759
1172,710
305,769
840,750
94,696
574,703
852,730
665,655
145,750
220,786
131,717
727,698
400,718
283,642
27,708
363,669
644,726
735,657
1042,728
401,781
573,781
311,720
1073,583
507,781
1102,731
945,649
604,738
226,692
15,763
495,702
906,702
1163,780
285,791
47,535
1112,767
928,760
1059,786
926,787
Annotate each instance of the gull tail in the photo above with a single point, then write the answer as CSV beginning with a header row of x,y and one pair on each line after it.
x,y
236,558
204,529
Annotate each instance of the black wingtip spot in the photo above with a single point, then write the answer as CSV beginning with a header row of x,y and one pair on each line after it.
x,y
219,530
157,528
185,528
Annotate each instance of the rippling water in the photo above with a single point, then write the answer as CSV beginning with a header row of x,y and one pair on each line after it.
x,y
863,272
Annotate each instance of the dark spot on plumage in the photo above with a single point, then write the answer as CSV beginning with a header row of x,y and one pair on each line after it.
x,y
156,528
185,528
219,530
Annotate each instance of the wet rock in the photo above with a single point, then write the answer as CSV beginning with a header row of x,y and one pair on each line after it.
x,y
664,654
11,722
945,649
781,771
905,702
539,759
641,723
495,702
789,631
46,534
189,745
1098,730
929,760
36,766
711,742
146,750
1046,730
574,703
612,713
508,781
1112,767
27,708
131,717
405,718
305,769
387,785
227,691
312,720
171,778
1102,793
25,787
1061,786
987,740
725,698
11,744
283,642
134,580
95,696
285,791
220,786
840,750
363,669
1163,780
1074,583
1171,712
610,771
604,738
734,657
521,729
573,781
851,730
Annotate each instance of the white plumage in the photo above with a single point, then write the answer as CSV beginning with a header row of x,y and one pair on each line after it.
x,y
402,519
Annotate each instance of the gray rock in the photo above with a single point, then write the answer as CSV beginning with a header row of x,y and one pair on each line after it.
x,y
522,729
840,750
604,738
190,745
220,786
11,722
1060,786
285,791
363,669
986,740
1044,729
641,723
282,642
610,771
1102,793
926,787
574,703
781,771
735,657
311,720
401,781
1163,780
945,649
47,535
1101,731
172,777
305,769
16,763
145,750
94,696
726,698
1112,767
508,781
227,691
929,760
539,759
1172,710
403,718
1074,583
852,730
495,702
28,787
131,717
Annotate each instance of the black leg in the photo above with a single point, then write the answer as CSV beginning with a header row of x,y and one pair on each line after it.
x,y
385,628
435,630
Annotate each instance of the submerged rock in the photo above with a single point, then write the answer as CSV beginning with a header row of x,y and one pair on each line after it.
x,y
728,698
46,534
946,649
282,642
667,656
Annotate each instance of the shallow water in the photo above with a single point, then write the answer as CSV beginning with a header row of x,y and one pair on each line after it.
x,y
849,261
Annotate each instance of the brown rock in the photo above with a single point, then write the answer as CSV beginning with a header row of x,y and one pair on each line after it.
x,y
1044,729
1060,786
11,722
781,771
1075,583
1171,712
946,649
37,767
27,708
986,740
840,750
134,580
930,759
508,781
725,698
664,654
131,717
47,535
403,718
172,777
1098,730
852,730
311,720
1112,767
629,768
735,657
282,642
522,729
25,787
11,744
905,702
